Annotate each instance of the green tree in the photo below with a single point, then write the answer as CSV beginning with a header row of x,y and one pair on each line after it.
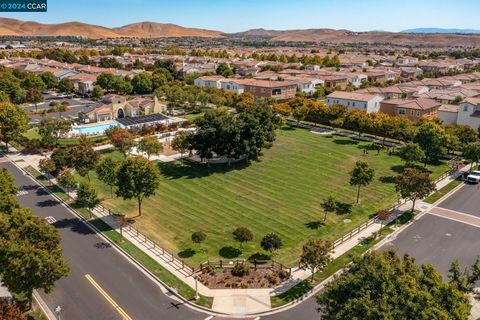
x,y
97,92
150,145
68,181
223,69
65,85
13,122
32,81
242,235
8,190
122,85
30,254
49,79
142,83
465,279
315,255
35,96
380,285
431,137
361,175
107,172
271,242
137,178
106,81
411,153
51,129
87,196
413,184
198,237
471,152
329,205
47,166
182,142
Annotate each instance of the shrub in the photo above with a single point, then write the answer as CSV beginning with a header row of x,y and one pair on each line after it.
x,y
241,269
272,278
283,274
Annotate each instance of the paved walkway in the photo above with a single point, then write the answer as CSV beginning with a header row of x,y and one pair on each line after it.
x,y
234,301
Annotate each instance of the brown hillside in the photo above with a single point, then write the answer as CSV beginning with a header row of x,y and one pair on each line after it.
x,y
158,30
142,30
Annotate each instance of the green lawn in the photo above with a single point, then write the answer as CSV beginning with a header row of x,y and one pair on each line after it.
x,y
280,193
443,191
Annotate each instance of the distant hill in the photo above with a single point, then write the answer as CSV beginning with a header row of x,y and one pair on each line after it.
x,y
142,30
158,30
440,30
413,37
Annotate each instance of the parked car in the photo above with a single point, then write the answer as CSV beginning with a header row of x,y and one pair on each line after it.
x,y
473,177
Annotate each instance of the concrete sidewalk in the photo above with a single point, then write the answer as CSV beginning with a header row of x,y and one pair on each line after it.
x,y
236,301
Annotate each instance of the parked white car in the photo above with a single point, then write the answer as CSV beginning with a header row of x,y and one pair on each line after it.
x,y
474,177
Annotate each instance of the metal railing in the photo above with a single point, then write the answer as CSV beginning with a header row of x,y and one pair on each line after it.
x,y
127,227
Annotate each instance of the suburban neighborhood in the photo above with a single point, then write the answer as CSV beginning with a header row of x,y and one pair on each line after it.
x,y
259,162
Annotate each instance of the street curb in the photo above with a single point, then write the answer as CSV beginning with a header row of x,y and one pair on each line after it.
x,y
43,306
123,252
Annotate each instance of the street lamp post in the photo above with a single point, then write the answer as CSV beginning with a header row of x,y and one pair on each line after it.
x,y
196,288
58,309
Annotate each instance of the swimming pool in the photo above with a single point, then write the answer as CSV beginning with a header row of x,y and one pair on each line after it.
x,y
96,128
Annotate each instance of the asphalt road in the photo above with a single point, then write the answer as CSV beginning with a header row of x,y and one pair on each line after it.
x,y
91,258
466,200
438,240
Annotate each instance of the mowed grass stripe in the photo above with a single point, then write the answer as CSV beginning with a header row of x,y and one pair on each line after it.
x,y
281,193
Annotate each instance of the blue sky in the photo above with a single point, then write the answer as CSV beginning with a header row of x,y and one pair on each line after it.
x,y
233,16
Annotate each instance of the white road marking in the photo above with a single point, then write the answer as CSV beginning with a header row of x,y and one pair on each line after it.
x,y
208,318
21,193
51,219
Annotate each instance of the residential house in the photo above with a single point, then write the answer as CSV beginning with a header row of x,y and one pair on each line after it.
x,y
354,100
209,81
469,113
279,90
414,109
448,113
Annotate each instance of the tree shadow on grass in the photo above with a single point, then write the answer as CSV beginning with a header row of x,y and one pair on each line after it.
x,y
229,252
345,142
287,128
397,168
343,208
176,169
187,253
387,179
314,224
259,256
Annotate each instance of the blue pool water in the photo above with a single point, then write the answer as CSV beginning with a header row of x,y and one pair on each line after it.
x,y
94,128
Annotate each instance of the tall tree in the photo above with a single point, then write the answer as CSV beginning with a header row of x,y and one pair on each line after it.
x,y
87,196
83,157
271,242
242,235
49,79
47,166
182,142
411,153
329,205
316,255
66,86
471,152
51,129
35,96
431,137
8,190
150,145
121,138
13,122
383,286
413,184
68,181
361,175
30,254
107,172
137,178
